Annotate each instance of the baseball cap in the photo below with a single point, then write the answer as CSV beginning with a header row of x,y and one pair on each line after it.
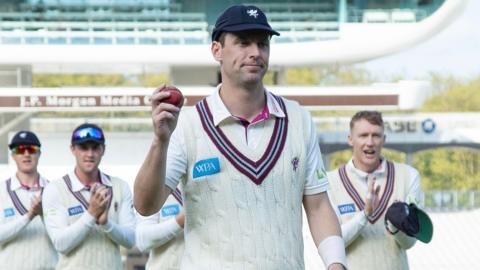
x,y
24,138
239,18
88,133
411,220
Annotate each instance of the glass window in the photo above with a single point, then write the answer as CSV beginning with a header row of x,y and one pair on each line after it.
x,y
102,41
34,40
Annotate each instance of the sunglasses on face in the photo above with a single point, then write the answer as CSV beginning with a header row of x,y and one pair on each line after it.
x,y
22,149
89,132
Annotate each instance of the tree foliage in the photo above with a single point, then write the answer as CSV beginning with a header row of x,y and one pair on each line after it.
x,y
62,80
328,75
449,168
106,80
454,95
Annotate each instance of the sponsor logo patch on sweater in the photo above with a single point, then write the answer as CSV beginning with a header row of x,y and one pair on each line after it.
x,y
72,211
170,210
321,174
346,208
8,212
206,167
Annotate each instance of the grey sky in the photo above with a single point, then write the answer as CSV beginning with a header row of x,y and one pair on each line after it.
x,y
454,51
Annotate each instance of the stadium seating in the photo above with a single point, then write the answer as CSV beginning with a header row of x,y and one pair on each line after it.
x,y
136,22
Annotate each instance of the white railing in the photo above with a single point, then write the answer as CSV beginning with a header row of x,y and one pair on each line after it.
x,y
132,26
148,36
452,200
88,15
123,37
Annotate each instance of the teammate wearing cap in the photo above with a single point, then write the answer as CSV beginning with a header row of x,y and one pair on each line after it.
x,y
361,192
88,214
24,243
247,159
162,234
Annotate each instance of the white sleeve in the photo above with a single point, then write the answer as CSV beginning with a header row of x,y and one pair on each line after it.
x,y
352,228
64,237
317,181
123,233
415,193
152,234
10,229
176,158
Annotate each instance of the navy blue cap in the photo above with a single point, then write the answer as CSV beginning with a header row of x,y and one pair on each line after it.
x,y
411,220
239,18
24,138
88,133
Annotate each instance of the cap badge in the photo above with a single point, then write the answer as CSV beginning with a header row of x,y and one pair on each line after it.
x,y
252,13
23,135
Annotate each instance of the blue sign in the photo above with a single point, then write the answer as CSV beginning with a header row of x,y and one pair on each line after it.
x,y
206,167
72,211
170,210
8,212
346,208
428,126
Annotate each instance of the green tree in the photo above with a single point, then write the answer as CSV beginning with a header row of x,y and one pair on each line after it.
x,y
454,96
100,80
62,80
153,80
328,75
449,168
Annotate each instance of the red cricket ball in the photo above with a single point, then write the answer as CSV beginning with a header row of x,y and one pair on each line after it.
x,y
176,97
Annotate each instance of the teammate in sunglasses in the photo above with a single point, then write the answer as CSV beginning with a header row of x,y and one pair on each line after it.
x,y
24,243
89,212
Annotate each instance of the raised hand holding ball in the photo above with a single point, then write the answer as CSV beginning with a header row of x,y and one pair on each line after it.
x,y
176,97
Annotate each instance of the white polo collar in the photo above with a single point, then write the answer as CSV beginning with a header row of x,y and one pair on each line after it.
x,y
16,184
379,172
221,113
78,186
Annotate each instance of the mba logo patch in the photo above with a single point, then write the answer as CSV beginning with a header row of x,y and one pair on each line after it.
x,y
8,212
206,167
346,208
72,211
170,210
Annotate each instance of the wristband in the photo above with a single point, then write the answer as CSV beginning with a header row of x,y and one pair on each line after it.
x,y
332,250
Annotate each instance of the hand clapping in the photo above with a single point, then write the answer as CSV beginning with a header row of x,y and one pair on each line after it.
x,y
99,200
372,198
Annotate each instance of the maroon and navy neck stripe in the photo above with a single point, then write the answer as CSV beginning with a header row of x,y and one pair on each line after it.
x,y
15,200
387,193
78,195
258,170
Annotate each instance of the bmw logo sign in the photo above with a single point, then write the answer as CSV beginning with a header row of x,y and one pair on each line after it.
x,y
428,125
